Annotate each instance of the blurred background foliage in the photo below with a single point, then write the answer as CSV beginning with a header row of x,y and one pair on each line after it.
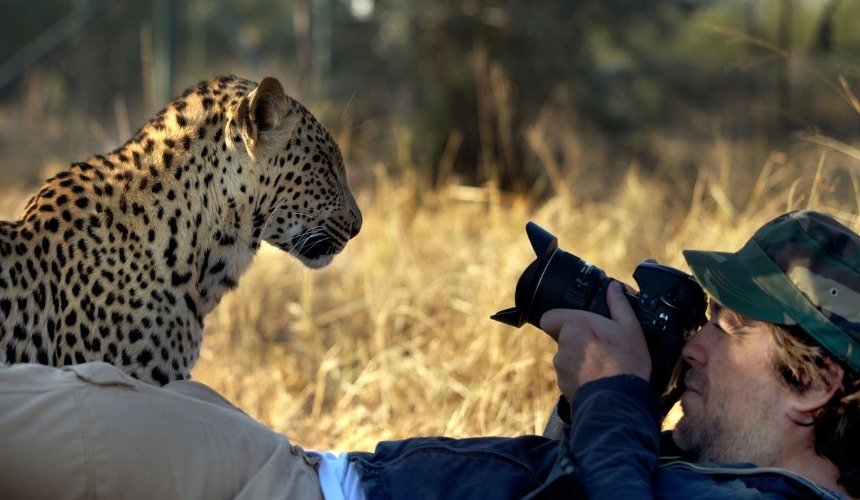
x,y
465,90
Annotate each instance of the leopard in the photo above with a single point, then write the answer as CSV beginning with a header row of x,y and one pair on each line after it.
x,y
120,258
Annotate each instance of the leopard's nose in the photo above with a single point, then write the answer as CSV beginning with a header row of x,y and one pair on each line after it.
x,y
356,221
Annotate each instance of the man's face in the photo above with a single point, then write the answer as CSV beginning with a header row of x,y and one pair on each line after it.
x,y
733,404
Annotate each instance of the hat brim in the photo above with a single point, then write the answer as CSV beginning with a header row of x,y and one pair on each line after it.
x,y
726,279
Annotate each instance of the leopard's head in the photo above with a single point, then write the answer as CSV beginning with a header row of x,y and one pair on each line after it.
x,y
307,208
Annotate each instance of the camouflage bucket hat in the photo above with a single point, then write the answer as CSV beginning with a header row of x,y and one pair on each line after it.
x,y
802,268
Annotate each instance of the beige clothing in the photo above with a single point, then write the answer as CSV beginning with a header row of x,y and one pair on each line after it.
x,y
90,431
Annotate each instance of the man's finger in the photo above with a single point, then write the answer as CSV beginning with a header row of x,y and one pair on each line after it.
x,y
620,308
553,320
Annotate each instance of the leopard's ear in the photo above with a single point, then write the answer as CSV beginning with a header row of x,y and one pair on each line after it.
x,y
263,117
268,104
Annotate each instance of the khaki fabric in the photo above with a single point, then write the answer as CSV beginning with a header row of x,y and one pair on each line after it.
x,y
90,431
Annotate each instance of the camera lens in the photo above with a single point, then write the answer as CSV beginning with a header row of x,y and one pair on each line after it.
x,y
555,279
569,282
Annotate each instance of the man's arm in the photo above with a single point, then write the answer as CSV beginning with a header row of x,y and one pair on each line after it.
x,y
614,441
604,365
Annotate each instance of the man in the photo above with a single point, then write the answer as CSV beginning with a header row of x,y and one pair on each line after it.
x,y
785,398
772,408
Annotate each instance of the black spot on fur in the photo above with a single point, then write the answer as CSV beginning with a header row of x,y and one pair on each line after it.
x,y
134,335
19,332
144,357
179,279
71,318
218,267
11,353
159,376
189,302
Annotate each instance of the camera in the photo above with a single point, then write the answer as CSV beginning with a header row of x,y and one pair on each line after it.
x,y
669,303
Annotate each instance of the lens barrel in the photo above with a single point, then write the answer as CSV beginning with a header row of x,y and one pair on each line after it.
x,y
555,279
567,282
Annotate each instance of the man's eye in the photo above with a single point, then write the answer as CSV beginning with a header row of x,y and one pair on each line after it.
x,y
722,328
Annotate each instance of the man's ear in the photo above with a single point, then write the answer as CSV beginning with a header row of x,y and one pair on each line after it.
x,y
815,396
262,117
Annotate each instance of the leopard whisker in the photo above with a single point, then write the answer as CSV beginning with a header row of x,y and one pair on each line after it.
x,y
308,235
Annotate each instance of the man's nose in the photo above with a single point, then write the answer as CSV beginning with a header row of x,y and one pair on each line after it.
x,y
694,351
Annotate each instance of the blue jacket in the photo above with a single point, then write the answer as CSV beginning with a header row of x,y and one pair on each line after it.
x,y
611,450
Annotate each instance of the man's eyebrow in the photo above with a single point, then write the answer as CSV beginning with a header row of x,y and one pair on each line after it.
x,y
727,320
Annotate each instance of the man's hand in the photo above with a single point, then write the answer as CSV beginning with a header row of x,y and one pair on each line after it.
x,y
591,346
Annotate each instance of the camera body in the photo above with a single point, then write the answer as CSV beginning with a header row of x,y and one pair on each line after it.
x,y
669,302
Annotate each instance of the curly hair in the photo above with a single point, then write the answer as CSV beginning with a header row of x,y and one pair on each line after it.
x,y
801,363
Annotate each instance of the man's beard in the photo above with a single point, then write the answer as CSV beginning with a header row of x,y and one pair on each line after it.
x,y
691,434
712,431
